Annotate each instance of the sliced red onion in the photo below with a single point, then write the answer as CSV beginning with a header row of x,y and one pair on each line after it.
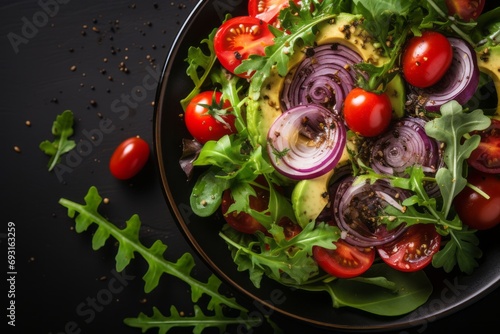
x,y
356,209
306,141
403,145
459,83
324,77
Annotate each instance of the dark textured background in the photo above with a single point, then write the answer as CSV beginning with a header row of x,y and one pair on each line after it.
x,y
113,46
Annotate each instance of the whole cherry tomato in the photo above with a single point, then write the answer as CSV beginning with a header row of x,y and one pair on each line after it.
x,y
207,118
474,209
426,59
465,9
129,158
367,113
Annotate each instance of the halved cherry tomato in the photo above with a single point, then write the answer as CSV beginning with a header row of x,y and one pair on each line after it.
x,y
267,10
486,157
207,118
242,221
413,250
367,113
345,261
465,9
129,158
238,38
474,209
426,59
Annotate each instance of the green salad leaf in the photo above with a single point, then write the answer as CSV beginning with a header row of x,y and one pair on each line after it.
x,y
381,290
277,257
62,129
129,245
199,321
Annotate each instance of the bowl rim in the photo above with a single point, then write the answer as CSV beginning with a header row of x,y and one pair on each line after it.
x,y
404,323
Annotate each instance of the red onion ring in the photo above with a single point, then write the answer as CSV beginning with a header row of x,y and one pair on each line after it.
x,y
306,141
403,145
324,77
356,209
459,83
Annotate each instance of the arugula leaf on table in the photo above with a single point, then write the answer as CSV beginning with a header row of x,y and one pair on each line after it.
x,y
129,244
199,321
62,129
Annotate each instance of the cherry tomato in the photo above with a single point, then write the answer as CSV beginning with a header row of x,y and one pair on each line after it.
x,y
129,158
242,221
486,157
207,118
345,261
413,250
238,38
465,9
367,113
474,209
426,59
267,10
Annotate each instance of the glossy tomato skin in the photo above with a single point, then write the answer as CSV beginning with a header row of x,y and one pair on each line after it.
x,y
426,59
238,38
346,261
486,157
465,9
475,210
242,221
413,250
201,124
129,158
367,113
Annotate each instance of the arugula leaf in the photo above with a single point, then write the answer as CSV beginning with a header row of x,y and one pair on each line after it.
x,y
129,244
280,259
199,321
62,129
381,290
462,249
451,128
200,64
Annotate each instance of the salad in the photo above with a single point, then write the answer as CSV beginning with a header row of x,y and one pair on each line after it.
x,y
348,144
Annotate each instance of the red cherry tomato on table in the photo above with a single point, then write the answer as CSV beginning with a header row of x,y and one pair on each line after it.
x,y
367,113
465,9
129,158
238,38
413,250
426,59
345,261
207,118
486,157
475,210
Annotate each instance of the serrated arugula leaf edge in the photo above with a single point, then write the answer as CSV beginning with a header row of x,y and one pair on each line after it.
x,y
129,244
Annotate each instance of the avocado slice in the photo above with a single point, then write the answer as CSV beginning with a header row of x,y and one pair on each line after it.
x,y
396,91
345,30
309,197
488,61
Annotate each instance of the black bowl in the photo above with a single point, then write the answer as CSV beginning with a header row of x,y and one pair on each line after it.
x,y
451,291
